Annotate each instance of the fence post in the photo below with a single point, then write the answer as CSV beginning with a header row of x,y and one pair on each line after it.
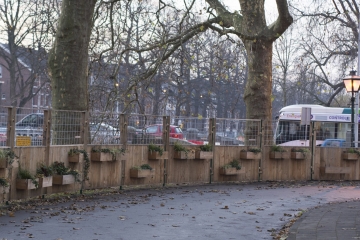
x,y
312,149
166,143
212,139
263,128
123,123
123,130
46,141
84,128
10,140
47,131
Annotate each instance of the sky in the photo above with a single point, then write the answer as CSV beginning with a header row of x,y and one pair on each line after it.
x,y
270,8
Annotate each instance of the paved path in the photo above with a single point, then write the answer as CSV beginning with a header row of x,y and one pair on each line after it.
x,y
338,221
234,211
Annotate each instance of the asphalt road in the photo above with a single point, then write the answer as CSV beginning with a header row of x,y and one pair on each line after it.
x,y
233,211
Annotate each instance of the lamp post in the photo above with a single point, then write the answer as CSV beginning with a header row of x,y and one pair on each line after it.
x,y
352,84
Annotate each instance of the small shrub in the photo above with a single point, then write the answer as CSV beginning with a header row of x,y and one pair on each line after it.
x,y
86,167
302,150
60,169
276,148
233,164
25,174
112,151
8,154
206,148
155,148
146,166
180,148
142,167
3,182
254,150
44,171
352,150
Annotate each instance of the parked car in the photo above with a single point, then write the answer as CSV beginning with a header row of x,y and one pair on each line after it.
x,y
157,129
102,133
334,143
31,125
153,134
196,136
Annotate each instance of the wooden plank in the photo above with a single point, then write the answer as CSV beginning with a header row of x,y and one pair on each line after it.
x,y
75,158
63,179
25,184
337,169
45,182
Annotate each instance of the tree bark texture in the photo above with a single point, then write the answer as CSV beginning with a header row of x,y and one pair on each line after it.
x,y
68,59
68,69
257,37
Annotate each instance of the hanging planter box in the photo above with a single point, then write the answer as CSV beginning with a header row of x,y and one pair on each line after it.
x,y
3,162
180,155
276,155
231,171
203,155
75,158
101,157
247,155
63,179
25,184
350,156
156,155
183,155
297,155
141,173
45,182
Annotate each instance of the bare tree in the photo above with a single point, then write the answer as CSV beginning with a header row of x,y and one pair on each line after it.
x,y
26,30
329,47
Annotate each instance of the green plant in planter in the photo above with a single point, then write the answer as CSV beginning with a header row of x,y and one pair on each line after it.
x,y
302,150
112,151
254,150
206,148
44,171
143,167
4,182
155,148
352,150
180,148
233,164
276,148
25,174
60,169
8,154
86,167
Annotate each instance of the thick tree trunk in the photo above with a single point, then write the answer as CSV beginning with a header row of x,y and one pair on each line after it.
x,y
258,89
68,68
68,59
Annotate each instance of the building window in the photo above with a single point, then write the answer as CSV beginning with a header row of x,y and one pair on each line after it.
x,y
0,71
3,97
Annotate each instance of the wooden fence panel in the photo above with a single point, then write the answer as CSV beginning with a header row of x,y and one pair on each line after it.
x,y
334,167
284,169
328,165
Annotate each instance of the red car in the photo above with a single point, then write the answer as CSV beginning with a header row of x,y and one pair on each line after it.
x,y
157,129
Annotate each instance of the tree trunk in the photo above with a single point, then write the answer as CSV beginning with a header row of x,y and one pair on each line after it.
x,y
68,69
258,89
68,59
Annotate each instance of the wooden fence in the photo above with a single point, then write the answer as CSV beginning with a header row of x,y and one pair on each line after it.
x,y
321,164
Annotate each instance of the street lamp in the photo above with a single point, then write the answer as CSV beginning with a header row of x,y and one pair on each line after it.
x,y
352,84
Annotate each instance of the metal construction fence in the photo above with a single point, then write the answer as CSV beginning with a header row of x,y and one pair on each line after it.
x,y
41,127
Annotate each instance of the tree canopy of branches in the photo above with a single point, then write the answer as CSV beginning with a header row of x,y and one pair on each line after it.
x,y
69,55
